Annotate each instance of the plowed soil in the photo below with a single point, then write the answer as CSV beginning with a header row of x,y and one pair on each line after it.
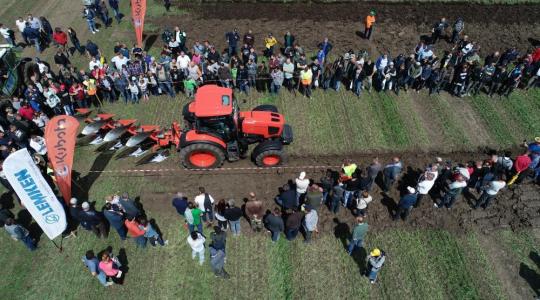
x,y
398,28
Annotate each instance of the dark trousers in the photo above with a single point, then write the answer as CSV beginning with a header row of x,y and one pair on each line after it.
x,y
291,233
484,200
402,212
367,32
100,230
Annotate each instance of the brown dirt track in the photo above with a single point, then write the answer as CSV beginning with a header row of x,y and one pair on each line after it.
x,y
494,27
517,208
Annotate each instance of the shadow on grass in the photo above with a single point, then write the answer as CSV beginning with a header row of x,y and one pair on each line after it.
x,y
342,231
83,185
530,275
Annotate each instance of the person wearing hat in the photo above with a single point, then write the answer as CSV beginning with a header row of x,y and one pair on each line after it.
x,y
310,222
370,20
376,259
302,184
94,220
406,204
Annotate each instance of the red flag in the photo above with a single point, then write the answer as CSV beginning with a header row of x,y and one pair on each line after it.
x,y
138,10
60,137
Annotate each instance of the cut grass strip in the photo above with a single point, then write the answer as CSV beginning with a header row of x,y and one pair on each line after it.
x,y
524,111
411,119
390,121
280,265
480,268
520,244
442,113
495,123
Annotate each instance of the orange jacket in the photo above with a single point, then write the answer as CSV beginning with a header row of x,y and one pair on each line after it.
x,y
133,228
369,21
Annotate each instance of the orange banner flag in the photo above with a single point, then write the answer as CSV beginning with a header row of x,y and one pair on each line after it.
x,y
60,138
138,10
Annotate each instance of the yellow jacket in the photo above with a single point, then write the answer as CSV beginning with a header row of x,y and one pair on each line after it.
x,y
270,42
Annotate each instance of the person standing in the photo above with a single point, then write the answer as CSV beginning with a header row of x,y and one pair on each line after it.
x,y
232,38
151,234
287,197
193,217
314,196
438,30
91,262
217,262
306,77
110,267
135,231
406,204
458,27
129,206
90,15
362,203
254,211
94,220
391,173
293,223
376,260
310,222
425,184
233,215
8,34
454,190
274,223
302,184
19,233
115,217
490,191
373,171
369,22
359,233
196,242
116,10
180,203
205,203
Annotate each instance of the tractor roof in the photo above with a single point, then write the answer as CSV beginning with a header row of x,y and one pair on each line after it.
x,y
212,101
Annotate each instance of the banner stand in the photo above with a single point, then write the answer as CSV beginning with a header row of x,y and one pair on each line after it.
x,y
60,249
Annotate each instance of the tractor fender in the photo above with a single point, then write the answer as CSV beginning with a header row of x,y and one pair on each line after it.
x,y
266,107
192,137
265,146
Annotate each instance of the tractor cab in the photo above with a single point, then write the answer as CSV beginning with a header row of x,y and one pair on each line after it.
x,y
215,130
10,75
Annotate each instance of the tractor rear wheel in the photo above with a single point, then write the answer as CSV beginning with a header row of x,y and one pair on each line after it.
x,y
202,156
270,158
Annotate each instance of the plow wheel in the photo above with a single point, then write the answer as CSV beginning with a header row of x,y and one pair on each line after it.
x,y
202,156
270,158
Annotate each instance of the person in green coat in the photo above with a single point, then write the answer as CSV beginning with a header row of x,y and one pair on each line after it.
x,y
359,232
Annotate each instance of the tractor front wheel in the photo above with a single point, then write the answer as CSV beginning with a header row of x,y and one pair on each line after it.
x,y
202,156
270,158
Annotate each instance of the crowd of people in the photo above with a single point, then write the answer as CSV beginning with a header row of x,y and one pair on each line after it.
x,y
132,74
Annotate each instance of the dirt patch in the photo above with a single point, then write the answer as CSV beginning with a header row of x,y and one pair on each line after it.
x,y
516,208
398,28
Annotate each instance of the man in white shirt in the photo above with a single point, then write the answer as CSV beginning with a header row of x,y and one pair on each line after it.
x,y
205,203
21,23
119,60
38,144
6,34
94,62
302,184
182,62
490,191
196,241
34,22
454,190
426,182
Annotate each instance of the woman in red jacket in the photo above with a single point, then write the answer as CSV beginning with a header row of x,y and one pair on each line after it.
x,y
60,38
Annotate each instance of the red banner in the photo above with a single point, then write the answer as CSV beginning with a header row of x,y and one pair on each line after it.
x,y
138,10
60,138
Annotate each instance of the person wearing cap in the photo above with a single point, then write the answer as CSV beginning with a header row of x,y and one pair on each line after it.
x,y
359,233
369,21
310,222
376,260
302,184
233,214
406,204
94,220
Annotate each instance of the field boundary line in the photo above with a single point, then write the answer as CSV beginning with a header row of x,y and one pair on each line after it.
x,y
215,169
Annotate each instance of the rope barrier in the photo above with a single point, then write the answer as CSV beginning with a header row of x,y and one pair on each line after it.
x,y
216,169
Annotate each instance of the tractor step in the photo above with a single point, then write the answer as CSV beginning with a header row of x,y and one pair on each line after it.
x,y
233,152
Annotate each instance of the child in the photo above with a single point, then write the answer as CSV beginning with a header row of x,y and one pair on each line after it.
x,y
134,91
189,86
143,86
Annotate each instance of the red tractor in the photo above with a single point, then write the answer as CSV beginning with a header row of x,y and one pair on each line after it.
x,y
216,130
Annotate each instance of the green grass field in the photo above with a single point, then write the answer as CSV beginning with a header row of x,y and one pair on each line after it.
x,y
422,263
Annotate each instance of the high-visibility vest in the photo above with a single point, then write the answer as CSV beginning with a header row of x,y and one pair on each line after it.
x,y
369,21
306,77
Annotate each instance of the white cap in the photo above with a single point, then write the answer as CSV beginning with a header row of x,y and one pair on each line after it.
x,y
73,201
302,175
411,190
85,205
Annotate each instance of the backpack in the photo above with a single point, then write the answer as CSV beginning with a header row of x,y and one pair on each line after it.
x,y
207,202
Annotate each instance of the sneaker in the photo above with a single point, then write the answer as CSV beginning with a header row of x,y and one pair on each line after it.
x,y
435,205
166,242
372,281
97,30
119,274
93,32
109,283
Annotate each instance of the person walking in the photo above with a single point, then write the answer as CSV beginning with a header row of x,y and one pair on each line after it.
x,y
233,215
391,173
151,234
490,191
19,233
206,205
405,204
369,22
376,260
91,262
311,219
196,242
274,223
293,223
358,235
193,217
115,217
